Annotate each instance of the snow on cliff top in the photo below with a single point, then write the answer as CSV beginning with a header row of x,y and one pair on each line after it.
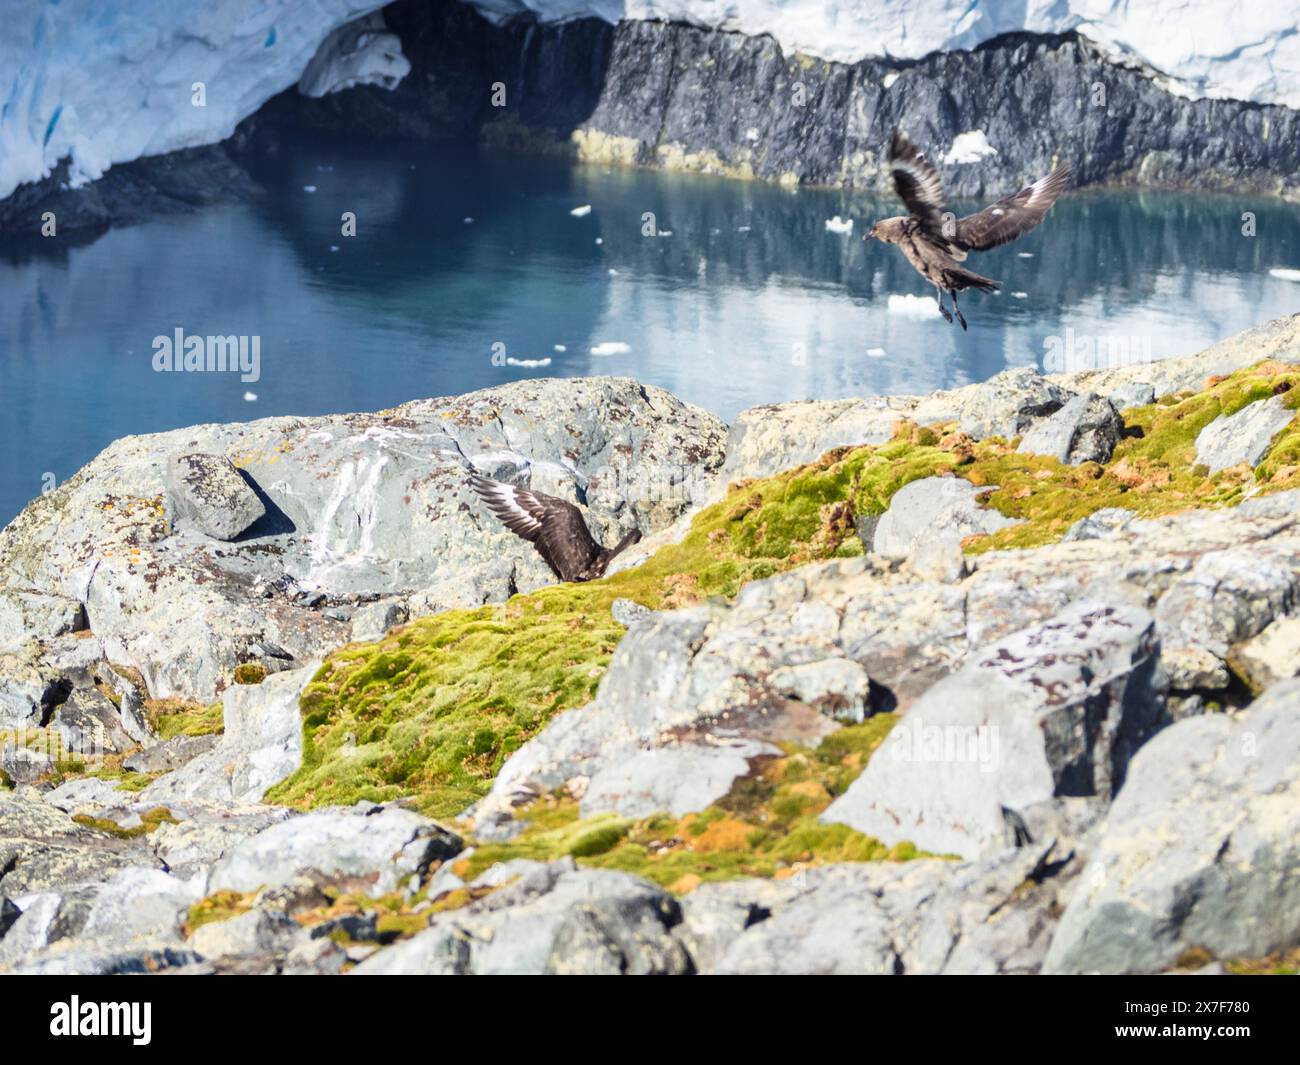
x,y
107,81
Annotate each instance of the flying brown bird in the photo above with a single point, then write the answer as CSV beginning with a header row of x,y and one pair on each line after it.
x,y
553,526
935,242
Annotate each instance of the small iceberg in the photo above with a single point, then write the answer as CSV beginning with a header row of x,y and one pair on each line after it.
x,y
250,397
969,147
913,306
559,347
527,364
610,347
309,188
581,212
1283,273
1020,295
839,225
1024,255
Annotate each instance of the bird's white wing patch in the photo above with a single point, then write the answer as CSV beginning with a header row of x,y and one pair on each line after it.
x,y
505,499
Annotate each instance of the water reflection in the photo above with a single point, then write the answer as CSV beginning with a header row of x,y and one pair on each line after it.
x,y
749,300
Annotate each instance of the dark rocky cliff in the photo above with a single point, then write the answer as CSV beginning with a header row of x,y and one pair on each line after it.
x,y
680,97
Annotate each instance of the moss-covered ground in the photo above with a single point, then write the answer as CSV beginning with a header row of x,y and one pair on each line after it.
x,y
431,712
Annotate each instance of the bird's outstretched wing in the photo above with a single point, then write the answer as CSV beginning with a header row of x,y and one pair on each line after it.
x,y
917,182
554,526
1013,216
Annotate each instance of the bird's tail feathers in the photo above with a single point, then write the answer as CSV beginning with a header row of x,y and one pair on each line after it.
x,y
962,278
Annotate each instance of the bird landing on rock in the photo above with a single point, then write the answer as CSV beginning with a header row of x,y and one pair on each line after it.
x,y
555,527
936,243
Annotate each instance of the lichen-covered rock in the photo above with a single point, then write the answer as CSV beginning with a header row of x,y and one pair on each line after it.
x,y
934,507
1008,404
1199,850
207,493
1085,429
1056,709
360,507
1273,655
554,919
260,745
384,844
1244,436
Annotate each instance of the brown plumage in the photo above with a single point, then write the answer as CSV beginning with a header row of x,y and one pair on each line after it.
x,y
553,526
936,243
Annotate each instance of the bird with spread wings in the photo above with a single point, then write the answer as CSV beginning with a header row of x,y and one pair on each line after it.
x,y
555,528
936,243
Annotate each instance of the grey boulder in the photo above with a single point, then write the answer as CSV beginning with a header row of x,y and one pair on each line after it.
x,y
208,494
1085,429
1244,436
1056,709
1200,848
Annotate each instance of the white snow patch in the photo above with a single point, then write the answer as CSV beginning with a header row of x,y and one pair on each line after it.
x,y
1284,273
876,353
839,225
361,53
581,212
913,306
969,147
610,347
888,80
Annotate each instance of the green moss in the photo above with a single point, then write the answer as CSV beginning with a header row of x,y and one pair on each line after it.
x,y
219,906
250,673
766,826
182,717
150,821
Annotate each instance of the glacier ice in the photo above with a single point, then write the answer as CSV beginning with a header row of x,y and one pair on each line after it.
x,y
358,53
106,81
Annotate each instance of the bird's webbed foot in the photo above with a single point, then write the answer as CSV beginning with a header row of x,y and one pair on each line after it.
x,y
947,314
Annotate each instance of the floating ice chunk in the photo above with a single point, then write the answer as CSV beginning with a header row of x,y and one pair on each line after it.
x,y
250,397
913,306
468,220
876,353
334,247
309,188
610,347
1020,295
1024,255
527,364
742,229
581,212
665,232
969,147
600,240
1284,274
839,225
613,272
560,347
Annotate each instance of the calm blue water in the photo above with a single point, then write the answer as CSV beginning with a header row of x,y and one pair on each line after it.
x,y
749,300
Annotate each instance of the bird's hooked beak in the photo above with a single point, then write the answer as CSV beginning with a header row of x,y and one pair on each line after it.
x,y
869,233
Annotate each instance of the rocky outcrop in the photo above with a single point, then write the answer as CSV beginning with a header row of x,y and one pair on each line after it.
x,y
1244,436
367,518
632,92
1199,850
